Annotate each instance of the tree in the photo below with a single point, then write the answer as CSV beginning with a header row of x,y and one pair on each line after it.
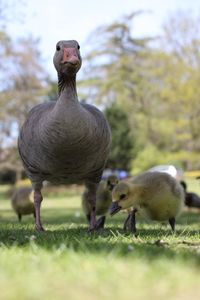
x,y
23,86
52,93
174,113
158,87
114,63
122,143
27,80
181,40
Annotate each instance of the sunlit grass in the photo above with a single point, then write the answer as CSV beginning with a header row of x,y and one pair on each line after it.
x,y
66,262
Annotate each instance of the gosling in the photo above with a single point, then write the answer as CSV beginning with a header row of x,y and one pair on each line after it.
x,y
22,202
103,200
192,200
155,195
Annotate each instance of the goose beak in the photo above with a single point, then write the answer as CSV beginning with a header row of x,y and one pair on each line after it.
x,y
115,208
70,56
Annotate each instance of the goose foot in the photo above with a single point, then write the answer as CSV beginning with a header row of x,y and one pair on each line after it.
x,y
39,228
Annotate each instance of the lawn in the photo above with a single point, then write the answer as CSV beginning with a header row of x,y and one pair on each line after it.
x,y
66,262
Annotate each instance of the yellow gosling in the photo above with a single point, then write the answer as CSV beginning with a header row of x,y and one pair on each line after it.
x,y
22,202
103,201
155,195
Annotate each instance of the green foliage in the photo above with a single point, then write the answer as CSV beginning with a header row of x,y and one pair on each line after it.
x,y
52,93
114,63
151,156
158,87
147,158
122,142
23,85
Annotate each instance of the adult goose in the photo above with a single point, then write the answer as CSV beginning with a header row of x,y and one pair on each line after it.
x,y
65,141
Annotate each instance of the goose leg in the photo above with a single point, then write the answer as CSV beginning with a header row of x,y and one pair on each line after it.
x,y
37,202
91,197
172,223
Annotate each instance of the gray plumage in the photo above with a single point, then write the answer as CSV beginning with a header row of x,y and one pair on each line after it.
x,y
22,202
65,141
103,199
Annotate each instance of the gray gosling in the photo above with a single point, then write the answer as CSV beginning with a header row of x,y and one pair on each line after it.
x,y
155,195
103,200
22,202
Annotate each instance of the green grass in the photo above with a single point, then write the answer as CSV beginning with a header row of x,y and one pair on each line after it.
x,y
66,262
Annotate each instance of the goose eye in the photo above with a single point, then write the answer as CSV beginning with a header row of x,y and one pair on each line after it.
x,y
78,47
122,196
57,47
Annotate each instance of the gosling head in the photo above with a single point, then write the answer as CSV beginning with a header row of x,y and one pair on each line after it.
x,y
67,58
112,181
120,197
184,185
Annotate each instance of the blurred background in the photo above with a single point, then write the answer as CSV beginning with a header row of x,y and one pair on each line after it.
x,y
141,66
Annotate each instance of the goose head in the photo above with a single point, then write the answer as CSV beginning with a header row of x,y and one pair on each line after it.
x,y
67,59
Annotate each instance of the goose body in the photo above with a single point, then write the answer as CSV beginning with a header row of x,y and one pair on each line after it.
x,y
64,148
65,141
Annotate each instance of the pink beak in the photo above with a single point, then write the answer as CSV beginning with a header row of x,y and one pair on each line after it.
x,y
70,56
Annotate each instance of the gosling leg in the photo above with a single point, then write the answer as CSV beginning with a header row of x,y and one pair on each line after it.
x,y
125,227
19,217
130,222
172,223
101,222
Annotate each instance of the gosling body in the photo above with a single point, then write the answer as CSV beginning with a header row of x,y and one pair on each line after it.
x,y
103,201
155,195
22,202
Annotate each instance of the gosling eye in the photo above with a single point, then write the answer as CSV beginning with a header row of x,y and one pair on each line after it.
x,y
78,47
58,48
122,196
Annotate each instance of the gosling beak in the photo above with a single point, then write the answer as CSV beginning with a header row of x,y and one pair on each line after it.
x,y
114,208
111,187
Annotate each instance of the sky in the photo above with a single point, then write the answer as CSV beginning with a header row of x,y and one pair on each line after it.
x,y
54,20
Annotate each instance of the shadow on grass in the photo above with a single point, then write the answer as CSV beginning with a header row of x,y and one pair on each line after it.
x,y
68,230
110,241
